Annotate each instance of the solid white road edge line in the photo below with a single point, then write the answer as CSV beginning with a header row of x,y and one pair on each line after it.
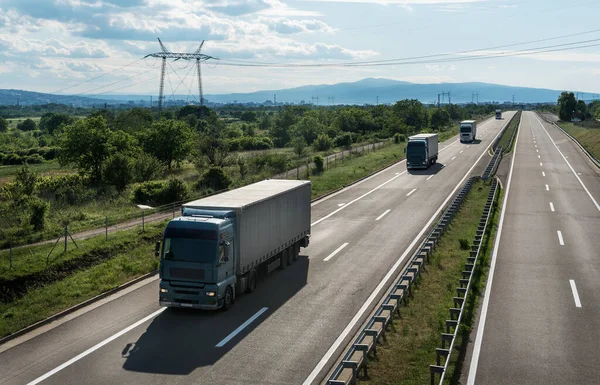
x,y
311,377
560,238
335,252
569,164
382,215
575,293
488,287
96,347
242,327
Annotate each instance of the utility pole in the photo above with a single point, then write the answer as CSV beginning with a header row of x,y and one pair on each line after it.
x,y
377,101
438,101
165,54
275,99
513,99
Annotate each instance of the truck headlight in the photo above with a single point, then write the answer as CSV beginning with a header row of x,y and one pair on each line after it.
x,y
164,290
210,293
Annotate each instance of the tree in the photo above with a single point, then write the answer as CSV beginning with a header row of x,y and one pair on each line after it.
x,y
299,145
323,143
582,110
248,116
134,121
3,124
212,150
26,125
308,127
567,105
118,171
146,167
85,144
412,113
25,180
440,119
168,140
51,122
355,119
216,179
123,143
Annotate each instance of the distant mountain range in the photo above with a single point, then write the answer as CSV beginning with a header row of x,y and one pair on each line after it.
x,y
366,91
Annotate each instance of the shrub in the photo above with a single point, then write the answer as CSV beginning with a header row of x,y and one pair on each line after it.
x,y
26,180
344,140
148,192
278,162
146,167
175,191
322,143
118,171
215,179
38,208
68,189
318,164
26,125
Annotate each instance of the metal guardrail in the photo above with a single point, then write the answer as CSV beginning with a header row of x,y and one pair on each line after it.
x,y
462,292
595,160
355,358
493,164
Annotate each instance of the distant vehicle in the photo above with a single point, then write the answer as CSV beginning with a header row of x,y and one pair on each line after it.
x,y
468,131
215,250
421,151
498,114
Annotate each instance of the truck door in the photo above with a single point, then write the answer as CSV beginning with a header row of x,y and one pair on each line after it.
x,y
226,258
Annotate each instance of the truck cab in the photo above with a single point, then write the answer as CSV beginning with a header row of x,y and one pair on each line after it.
x,y
468,131
197,262
498,114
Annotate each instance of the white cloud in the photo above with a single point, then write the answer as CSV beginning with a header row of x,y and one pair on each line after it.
x,y
388,2
288,26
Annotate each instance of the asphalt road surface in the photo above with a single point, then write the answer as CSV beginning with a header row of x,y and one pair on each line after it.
x,y
289,331
540,319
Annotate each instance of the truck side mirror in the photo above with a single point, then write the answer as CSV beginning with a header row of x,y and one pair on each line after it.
x,y
156,248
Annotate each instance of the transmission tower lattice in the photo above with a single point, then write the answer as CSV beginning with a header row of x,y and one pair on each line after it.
x,y
165,54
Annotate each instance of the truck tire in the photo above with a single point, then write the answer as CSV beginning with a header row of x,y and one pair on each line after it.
x,y
295,251
251,281
227,299
290,255
283,259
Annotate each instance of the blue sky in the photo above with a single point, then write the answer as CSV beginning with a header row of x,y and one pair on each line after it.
x,y
49,45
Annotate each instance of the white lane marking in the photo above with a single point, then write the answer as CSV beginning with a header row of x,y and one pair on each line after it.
x,y
560,238
488,288
578,173
96,347
539,157
453,158
335,252
341,204
411,191
566,157
536,146
575,293
551,206
392,271
541,164
382,215
468,146
547,188
242,327
462,151
569,164
397,173
431,176
537,150
543,173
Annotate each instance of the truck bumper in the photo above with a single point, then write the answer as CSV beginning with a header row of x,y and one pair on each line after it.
x,y
193,297
189,305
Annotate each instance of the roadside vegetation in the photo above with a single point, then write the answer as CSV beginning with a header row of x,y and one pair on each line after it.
x,y
508,133
408,352
77,167
586,133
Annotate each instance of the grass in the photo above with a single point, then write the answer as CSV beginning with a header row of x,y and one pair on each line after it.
x,y
352,168
406,356
588,137
7,173
505,139
133,256
12,122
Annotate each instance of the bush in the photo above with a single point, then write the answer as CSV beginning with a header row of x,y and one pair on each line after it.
x,y
145,167
399,138
344,140
68,189
159,193
26,125
322,143
215,179
175,191
118,171
464,244
38,208
26,180
278,162
318,164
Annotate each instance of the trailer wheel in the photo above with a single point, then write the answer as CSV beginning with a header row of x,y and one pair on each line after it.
x,y
290,255
251,281
282,259
228,299
295,251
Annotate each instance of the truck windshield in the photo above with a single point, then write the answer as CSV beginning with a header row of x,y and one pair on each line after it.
x,y
466,129
415,147
190,245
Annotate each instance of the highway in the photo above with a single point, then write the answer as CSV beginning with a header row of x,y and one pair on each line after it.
x,y
289,331
540,316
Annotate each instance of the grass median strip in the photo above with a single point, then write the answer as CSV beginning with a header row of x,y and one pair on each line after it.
x,y
508,133
408,352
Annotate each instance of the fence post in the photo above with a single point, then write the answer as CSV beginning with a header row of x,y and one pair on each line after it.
x,y
106,222
142,220
66,236
10,268
327,166
298,173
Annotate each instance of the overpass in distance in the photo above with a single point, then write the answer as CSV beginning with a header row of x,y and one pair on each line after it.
x,y
292,329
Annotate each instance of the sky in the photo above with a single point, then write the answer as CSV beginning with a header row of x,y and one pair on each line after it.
x,y
97,46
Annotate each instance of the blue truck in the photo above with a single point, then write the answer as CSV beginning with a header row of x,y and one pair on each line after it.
x,y
216,249
421,151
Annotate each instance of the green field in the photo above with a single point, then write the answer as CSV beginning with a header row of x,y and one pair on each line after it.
x,y
406,356
588,137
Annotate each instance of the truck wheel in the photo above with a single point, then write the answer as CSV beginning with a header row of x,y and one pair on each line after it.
x,y
251,281
290,255
295,251
282,260
228,299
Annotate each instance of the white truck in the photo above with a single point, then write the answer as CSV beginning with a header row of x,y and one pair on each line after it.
x,y
215,250
421,151
468,131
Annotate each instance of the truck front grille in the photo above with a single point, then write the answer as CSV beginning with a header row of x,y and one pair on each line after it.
x,y
191,274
